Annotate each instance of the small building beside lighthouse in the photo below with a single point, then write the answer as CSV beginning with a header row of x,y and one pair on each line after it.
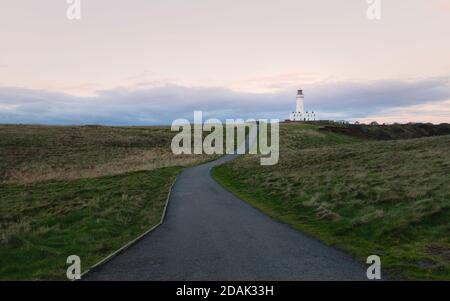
x,y
300,114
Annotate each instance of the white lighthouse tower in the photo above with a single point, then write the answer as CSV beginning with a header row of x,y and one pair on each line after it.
x,y
300,114
300,106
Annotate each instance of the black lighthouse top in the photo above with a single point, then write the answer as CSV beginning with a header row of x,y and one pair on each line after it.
x,y
299,92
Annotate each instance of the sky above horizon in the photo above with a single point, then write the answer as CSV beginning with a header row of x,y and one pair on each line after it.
x,y
149,62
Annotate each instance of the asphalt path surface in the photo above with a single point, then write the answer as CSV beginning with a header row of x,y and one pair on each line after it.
x,y
209,234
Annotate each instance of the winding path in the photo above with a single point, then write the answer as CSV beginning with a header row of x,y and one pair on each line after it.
x,y
209,234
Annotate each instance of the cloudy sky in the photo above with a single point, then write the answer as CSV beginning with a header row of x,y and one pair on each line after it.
x,y
149,62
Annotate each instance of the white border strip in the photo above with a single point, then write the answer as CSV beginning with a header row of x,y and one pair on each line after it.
x,y
123,248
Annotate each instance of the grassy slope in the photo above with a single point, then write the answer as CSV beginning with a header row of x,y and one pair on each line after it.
x,y
30,153
58,195
44,223
386,198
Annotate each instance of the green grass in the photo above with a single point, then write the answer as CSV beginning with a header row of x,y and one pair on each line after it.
x,y
80,190
389,198
43,223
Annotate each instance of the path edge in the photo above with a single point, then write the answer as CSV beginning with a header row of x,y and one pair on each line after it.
x,y
129,244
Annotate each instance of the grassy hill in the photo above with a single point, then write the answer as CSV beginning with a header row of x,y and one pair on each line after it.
x,y
79,190
33,153
388,198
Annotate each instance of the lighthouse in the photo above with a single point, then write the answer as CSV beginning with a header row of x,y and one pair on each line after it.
x,y
300,114
300,98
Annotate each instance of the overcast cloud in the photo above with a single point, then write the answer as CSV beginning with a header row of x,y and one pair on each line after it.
x,y
161,105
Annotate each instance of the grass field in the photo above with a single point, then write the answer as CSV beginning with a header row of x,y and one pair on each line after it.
x,y
88,190
79,190
33,153
44,223
389,198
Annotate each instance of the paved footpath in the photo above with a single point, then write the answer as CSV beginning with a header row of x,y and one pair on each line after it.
x,y
209,234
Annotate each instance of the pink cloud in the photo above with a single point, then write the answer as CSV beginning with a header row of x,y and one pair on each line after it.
x,y
437,112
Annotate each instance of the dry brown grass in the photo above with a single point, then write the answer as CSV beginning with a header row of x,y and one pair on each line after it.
x,y
30,153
